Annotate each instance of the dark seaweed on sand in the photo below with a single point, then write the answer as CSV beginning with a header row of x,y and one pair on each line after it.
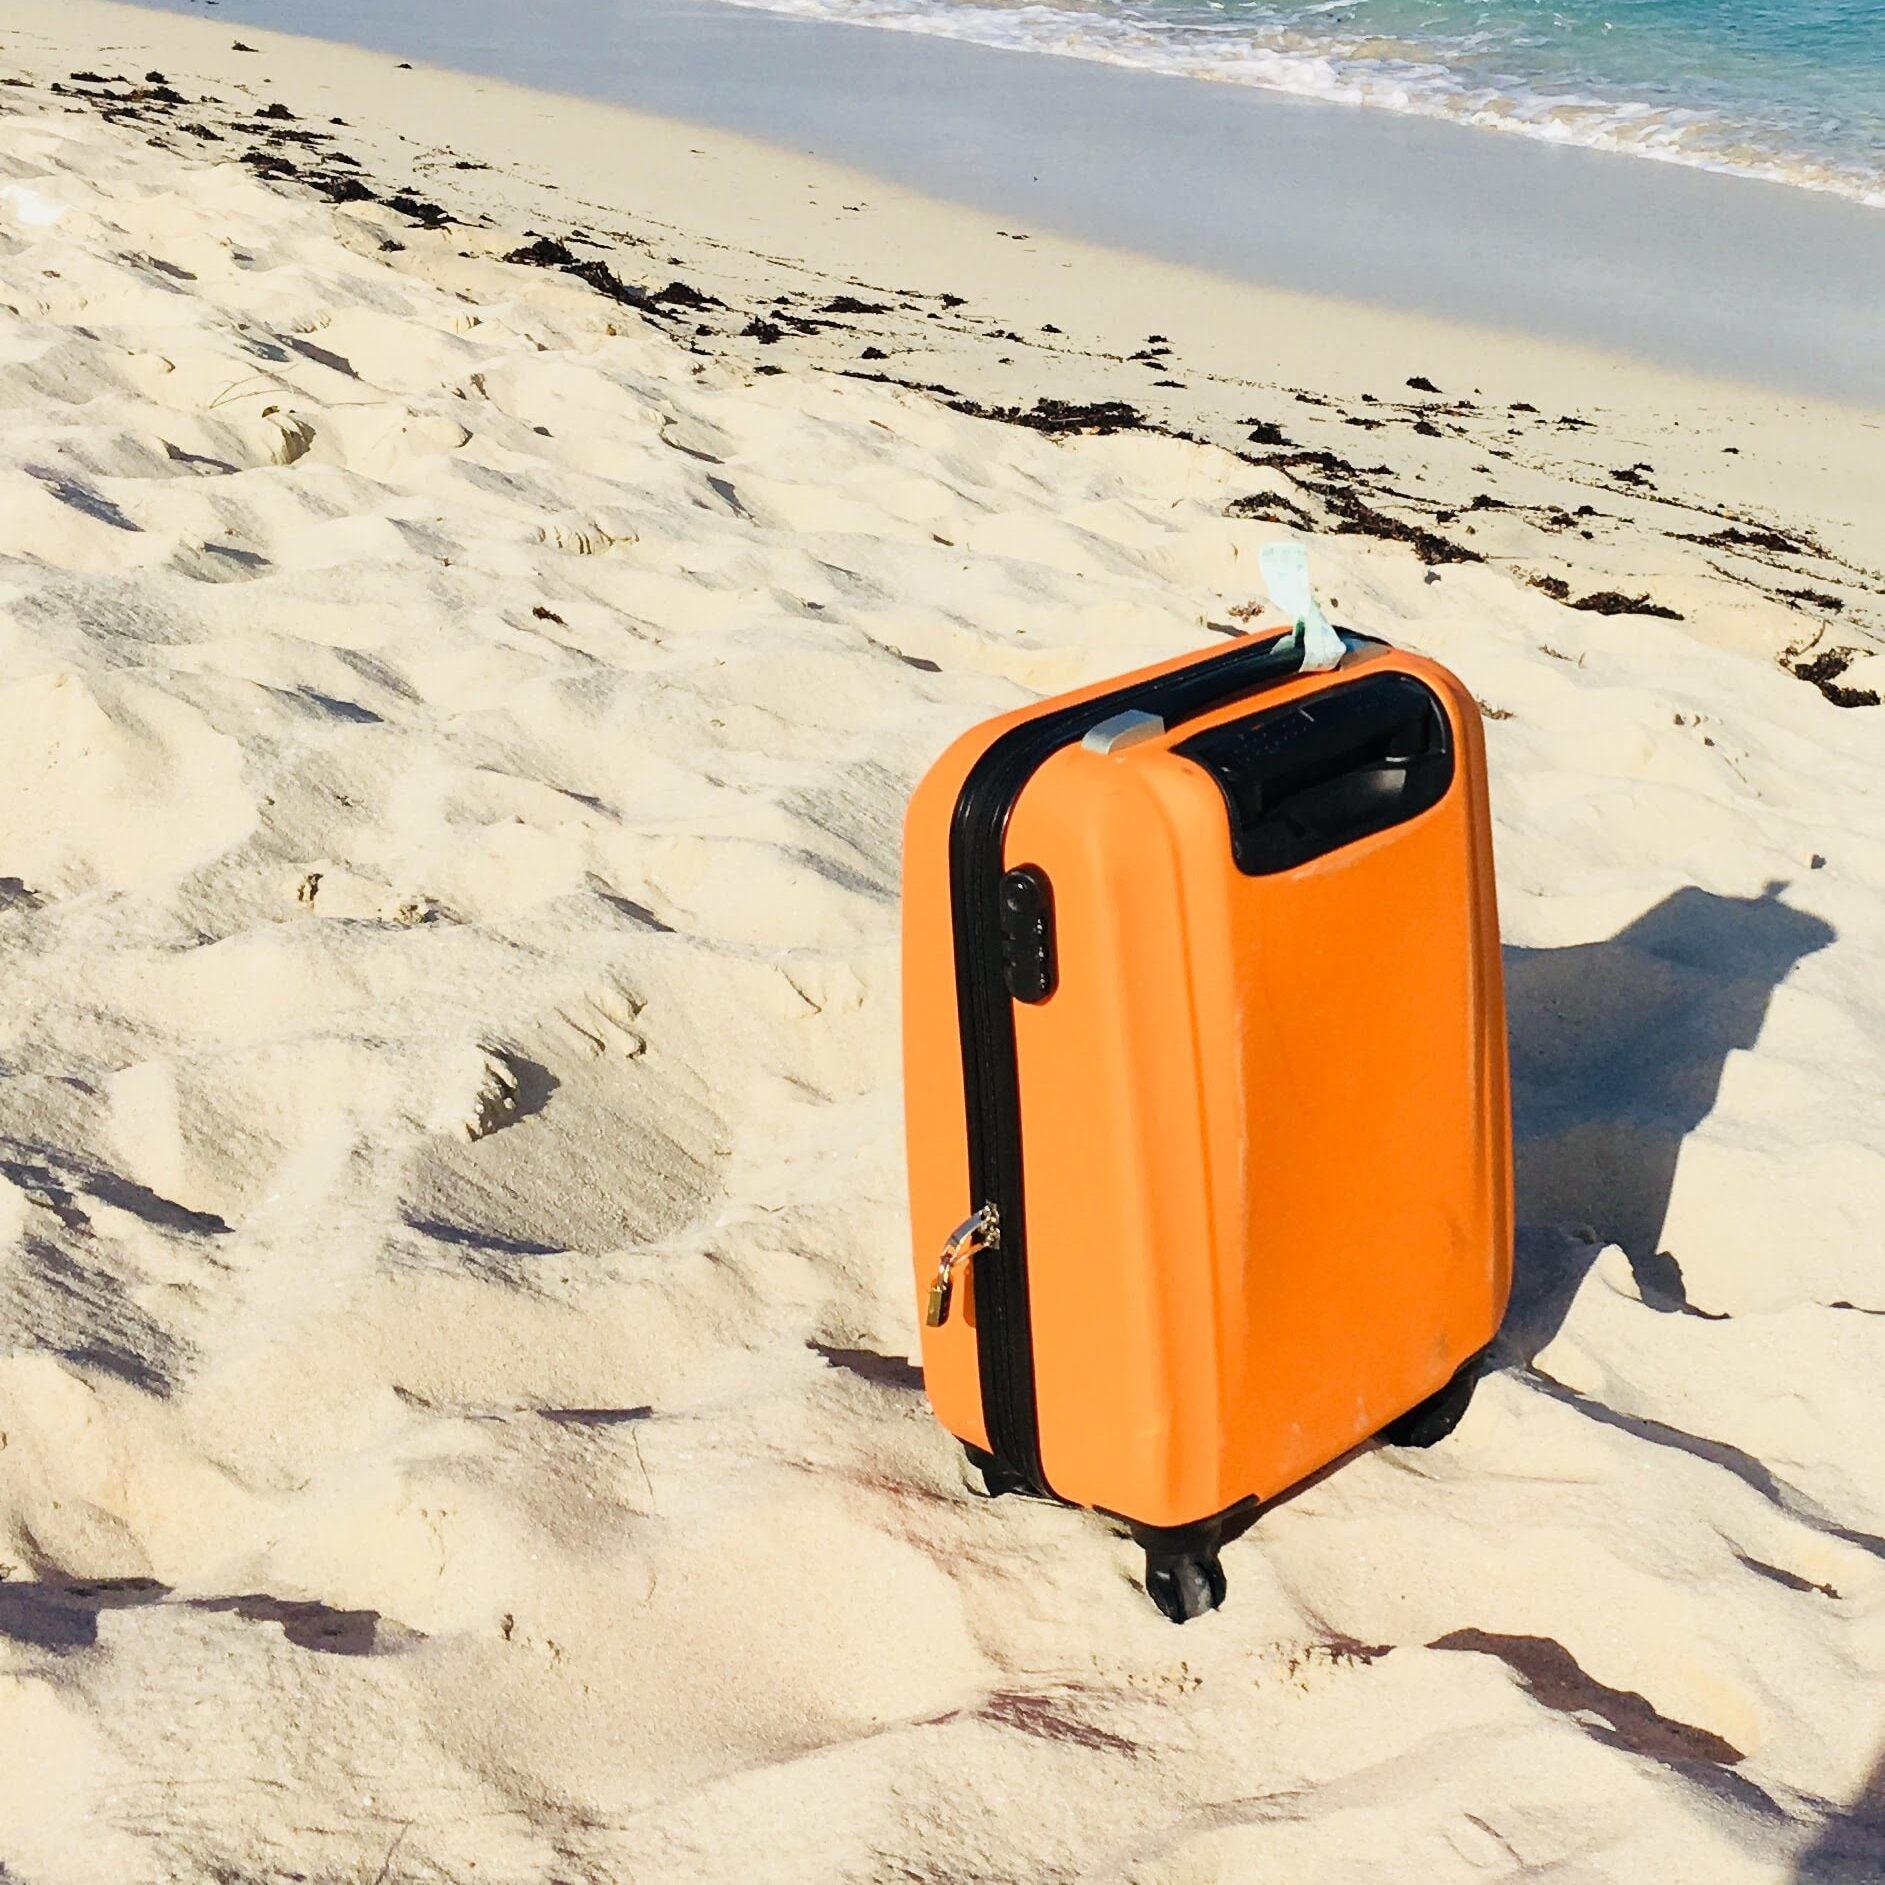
x,y
1271,507
1615,602
1354,516
1061,417
680,294
1771,542
1824,670
890,379
549,252
427,215
342,189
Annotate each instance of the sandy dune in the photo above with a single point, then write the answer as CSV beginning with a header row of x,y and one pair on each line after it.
x,y
455,1420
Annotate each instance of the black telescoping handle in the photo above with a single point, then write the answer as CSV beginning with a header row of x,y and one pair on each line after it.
x,y
1309,778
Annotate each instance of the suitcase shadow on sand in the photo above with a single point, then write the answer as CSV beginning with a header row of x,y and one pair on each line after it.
x,y
1849,1848
1618,1050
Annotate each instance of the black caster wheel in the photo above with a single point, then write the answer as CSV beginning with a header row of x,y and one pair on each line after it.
x,y
1185,1587
1182,1574
997,1479
1435,1417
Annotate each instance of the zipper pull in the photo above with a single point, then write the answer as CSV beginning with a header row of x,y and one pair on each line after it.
x,y
980,1230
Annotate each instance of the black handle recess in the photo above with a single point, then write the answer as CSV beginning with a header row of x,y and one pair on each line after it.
x,y
1304,780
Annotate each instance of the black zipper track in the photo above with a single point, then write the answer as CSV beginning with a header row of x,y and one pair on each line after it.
x,y
985,1012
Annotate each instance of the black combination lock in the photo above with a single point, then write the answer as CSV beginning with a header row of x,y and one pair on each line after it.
x,y
1027,934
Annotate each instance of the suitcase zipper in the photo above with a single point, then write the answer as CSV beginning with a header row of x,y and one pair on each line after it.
x,y
985,1012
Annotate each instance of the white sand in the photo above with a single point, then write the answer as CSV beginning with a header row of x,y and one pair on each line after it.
x,y
454,1416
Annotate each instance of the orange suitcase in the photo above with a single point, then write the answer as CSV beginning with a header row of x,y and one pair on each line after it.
x,y
1206,1087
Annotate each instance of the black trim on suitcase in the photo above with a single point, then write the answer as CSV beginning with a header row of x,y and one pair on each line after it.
x,y
985,1012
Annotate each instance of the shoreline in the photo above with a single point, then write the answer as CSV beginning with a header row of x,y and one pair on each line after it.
x,y
1303,72
1734,276
1748,515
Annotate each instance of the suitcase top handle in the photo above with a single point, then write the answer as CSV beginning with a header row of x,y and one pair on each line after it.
x,y
1306,779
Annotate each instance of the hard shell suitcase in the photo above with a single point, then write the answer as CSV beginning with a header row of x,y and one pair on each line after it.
x,y
1206,1089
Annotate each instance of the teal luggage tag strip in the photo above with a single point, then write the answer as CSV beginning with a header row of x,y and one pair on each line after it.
x,y
1285,567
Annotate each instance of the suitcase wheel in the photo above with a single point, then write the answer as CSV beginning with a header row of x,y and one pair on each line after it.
x,y
1182,1573
1435,1417
1184,1587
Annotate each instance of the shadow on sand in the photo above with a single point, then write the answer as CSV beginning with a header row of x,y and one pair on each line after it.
x,y
60,1614
1849,1848
1618,1050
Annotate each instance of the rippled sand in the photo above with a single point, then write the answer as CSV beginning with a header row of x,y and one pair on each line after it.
x,y
455,1415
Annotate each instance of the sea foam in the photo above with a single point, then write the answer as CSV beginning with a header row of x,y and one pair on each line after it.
x,y
1466,77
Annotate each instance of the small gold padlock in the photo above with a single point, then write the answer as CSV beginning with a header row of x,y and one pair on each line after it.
x,y
980,1230
939,1293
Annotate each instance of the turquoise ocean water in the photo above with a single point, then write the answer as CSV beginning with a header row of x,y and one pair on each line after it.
x,y
1791,90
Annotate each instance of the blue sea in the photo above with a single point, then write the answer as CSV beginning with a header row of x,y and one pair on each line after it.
x,y
1790,90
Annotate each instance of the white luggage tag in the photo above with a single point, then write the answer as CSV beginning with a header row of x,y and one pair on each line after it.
x,y
1285,567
